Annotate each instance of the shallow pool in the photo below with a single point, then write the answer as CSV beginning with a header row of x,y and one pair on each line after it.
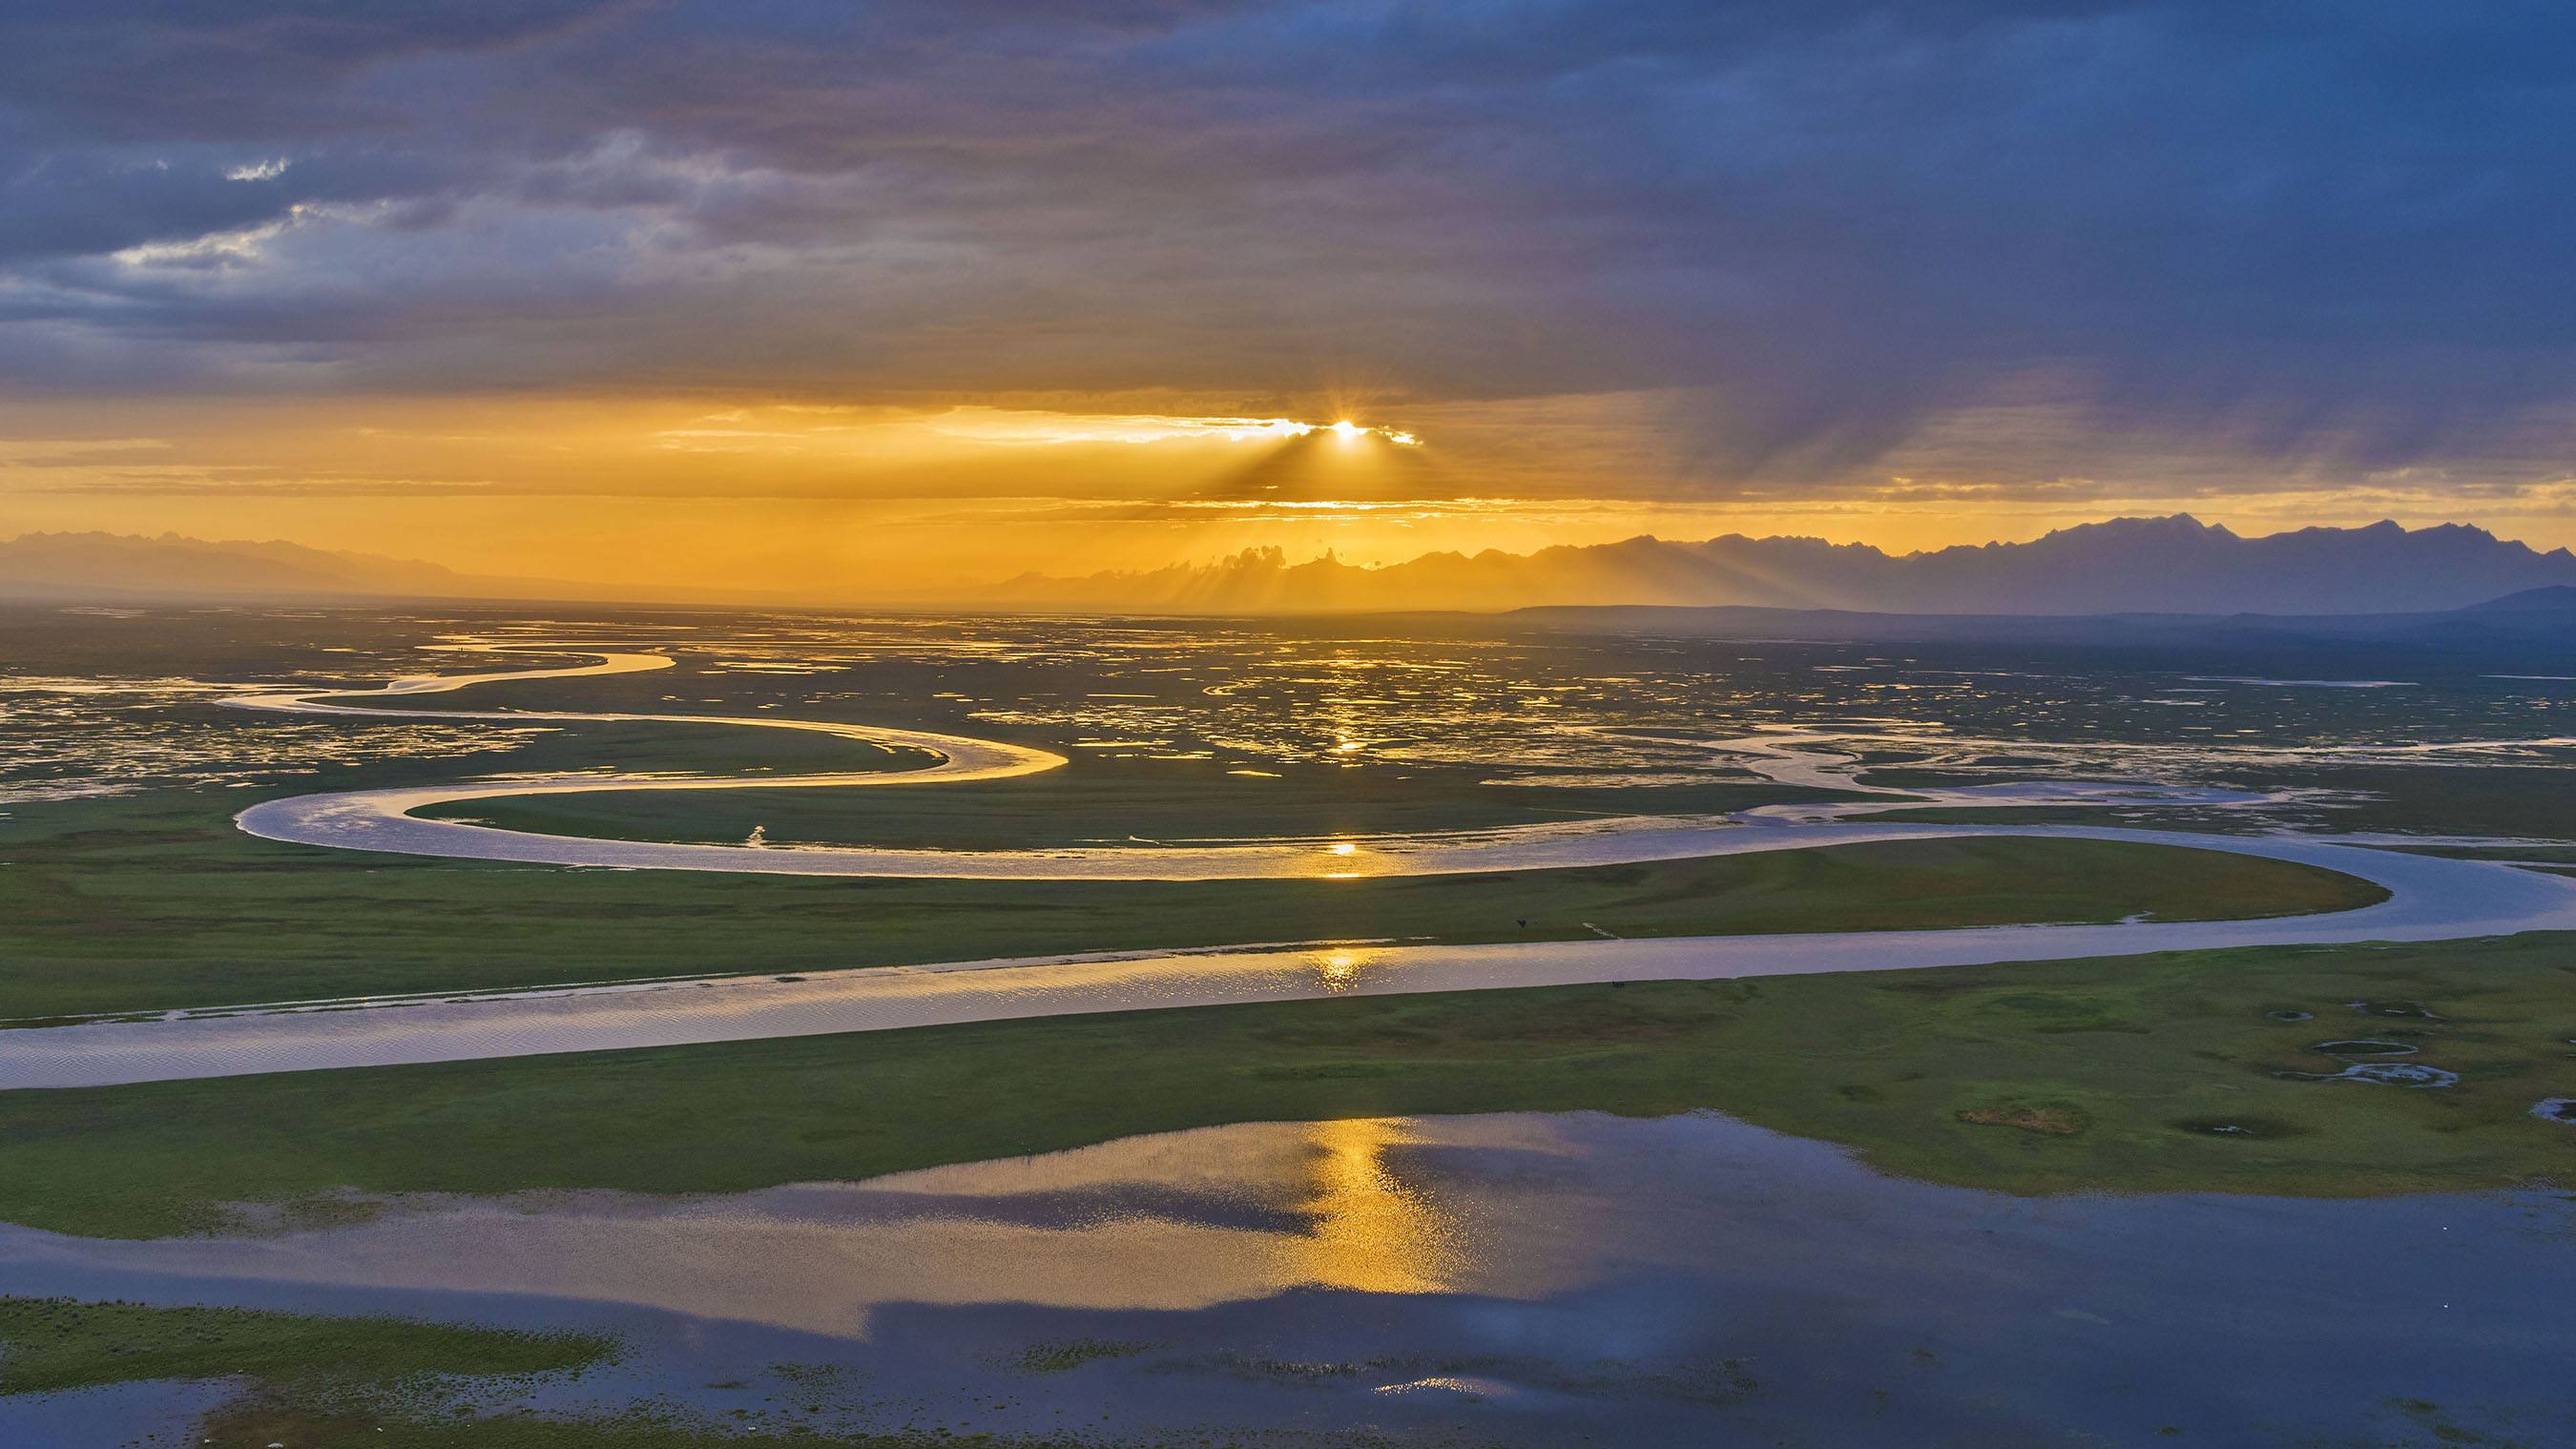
x,y
1515,1279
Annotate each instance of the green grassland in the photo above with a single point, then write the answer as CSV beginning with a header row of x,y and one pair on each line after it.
x,y
2107,1074
320,1382
2528,801
301,1379
154,901
1113,801
50,1344
270,1419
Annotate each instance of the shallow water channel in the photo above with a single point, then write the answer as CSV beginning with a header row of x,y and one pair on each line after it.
x,y
1514,1279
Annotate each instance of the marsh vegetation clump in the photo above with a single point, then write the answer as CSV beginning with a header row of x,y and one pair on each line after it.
x,y
49,1344
2049,1119
297,1378
1065,1355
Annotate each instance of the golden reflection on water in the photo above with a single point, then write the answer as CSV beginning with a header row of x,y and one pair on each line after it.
x,y
1176,1222
1348,860
1373,1231
1340,970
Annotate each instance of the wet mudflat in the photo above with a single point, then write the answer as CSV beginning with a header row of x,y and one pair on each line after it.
x,y
1514,1279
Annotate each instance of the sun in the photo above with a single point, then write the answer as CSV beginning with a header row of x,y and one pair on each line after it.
x,y
1348,431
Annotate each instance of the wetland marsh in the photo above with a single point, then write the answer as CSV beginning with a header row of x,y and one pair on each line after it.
x,y
1266,1216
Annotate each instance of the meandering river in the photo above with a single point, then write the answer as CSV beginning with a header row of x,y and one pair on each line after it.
x,y
2430,898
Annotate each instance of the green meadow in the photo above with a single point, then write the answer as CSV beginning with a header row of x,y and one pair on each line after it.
x,y
2184,1072
154,901
316,1381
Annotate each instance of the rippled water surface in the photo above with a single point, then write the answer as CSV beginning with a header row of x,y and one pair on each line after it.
x,y
1511,1279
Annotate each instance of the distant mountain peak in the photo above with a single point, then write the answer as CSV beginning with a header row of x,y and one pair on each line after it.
x,y
2175,563
96,565
2169,565
2179,525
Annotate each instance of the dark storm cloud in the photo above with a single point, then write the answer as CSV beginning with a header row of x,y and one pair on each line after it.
x,y
87,72
2323,230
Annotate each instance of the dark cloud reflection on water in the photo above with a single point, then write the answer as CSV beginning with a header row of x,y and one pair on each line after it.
x,y
1532,1279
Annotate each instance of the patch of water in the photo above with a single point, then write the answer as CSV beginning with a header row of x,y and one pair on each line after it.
x,y
1521,1280
2392,1074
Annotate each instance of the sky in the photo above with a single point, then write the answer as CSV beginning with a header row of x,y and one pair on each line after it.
x,y
852,299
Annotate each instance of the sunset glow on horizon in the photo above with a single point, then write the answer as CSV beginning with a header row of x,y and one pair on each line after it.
x,y
890,303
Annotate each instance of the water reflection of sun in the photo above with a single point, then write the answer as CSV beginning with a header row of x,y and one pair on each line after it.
x,y
1340,970
1373,1231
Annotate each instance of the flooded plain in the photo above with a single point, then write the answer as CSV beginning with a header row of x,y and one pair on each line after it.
x,y
127,704
2428,897
1523,1280
1530,1280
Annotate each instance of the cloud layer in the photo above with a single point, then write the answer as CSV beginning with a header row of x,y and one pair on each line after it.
x,y
2314,236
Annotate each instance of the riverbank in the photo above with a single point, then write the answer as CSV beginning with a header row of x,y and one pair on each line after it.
x,y
2119,1074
